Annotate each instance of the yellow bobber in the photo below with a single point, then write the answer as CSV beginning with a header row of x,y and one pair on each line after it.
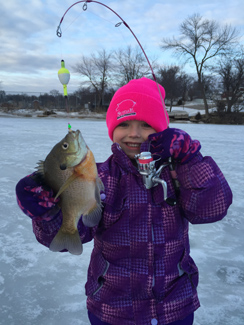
x,y
64,76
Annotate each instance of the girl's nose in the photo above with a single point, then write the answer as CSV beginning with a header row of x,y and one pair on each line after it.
x,y
134,131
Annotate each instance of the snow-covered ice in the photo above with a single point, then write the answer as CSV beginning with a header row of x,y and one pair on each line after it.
x,y
40,287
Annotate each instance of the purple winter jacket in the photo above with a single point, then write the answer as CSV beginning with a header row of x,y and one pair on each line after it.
x,y
140,267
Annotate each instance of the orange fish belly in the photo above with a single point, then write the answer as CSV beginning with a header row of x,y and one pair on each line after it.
x,y
87,168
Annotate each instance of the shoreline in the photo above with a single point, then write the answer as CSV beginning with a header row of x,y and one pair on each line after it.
x,y
58,114
176,116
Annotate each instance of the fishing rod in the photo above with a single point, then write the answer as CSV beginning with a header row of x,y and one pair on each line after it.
x,y
59,34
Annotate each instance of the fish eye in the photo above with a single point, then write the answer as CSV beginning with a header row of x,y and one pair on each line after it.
x,y
65,145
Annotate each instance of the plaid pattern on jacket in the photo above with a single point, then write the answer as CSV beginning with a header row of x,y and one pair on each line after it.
x,y
140,267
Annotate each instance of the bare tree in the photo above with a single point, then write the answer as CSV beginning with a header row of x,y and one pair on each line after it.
x,y
231,72
2,93
202,40
169,79
54,93
130,64
175,82
209,84
96,69
186,83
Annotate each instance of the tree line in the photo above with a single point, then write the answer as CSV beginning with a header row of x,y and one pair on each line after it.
x,y
213,49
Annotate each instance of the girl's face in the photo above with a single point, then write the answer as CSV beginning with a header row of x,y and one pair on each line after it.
x,y
130,135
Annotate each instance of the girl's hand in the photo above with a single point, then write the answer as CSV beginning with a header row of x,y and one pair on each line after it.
x,y
45,197
35,199
174,143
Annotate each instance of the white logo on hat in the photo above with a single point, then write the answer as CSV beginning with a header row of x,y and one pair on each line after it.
x,y
125,108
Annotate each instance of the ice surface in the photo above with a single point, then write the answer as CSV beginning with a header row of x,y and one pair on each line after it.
x,y
40,287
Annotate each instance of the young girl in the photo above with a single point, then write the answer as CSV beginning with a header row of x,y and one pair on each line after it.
x,y
140,270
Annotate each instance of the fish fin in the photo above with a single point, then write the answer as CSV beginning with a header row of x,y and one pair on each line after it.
x,y
66,184
97,193
93,216
40,168
64,240
99,184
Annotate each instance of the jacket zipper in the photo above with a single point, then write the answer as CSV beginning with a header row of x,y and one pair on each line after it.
x,y
153,280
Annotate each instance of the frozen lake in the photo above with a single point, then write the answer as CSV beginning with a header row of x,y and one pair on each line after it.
x,y
39,287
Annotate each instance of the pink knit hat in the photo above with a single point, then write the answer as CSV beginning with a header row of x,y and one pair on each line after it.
x,y
138,100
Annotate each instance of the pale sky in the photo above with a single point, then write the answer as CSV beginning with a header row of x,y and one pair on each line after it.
x,y
30,51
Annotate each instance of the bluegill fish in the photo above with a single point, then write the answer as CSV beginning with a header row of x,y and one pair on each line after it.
x,y
70,170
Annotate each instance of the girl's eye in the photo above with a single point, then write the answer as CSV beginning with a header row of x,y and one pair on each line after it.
x,y
145,125
65,145
123,124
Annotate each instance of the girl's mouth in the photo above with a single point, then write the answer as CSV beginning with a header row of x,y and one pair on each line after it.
x,y
133,145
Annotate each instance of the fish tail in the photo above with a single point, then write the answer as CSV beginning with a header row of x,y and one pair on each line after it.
x,y
64,240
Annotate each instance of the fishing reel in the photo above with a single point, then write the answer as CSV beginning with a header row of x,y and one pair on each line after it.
x,y
150,175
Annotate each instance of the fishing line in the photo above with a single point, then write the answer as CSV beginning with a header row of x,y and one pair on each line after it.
x,y
85,7
71,23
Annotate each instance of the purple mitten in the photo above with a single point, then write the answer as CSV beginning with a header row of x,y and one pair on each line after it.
x,y
35,200
45,197
174,143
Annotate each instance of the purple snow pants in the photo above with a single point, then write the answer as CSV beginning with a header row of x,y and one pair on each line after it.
x,y
187,321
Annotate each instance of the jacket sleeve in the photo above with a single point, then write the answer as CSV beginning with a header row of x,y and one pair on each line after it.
x,y
205,195
46,221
